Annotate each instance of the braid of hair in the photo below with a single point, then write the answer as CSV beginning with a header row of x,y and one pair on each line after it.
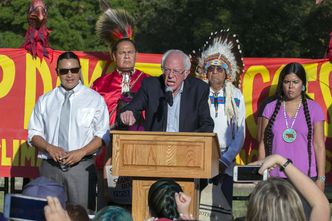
x,y
308,120
170,210
161,198
268,134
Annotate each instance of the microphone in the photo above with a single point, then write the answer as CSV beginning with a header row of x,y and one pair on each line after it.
x,y
169,96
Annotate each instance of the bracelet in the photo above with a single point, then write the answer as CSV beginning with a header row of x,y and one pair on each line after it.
x,y
283,167
322,179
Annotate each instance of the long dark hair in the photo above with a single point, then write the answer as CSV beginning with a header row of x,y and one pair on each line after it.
x,y
297,69
161,199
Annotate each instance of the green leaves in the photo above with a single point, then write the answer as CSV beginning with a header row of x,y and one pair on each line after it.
x,y
275,28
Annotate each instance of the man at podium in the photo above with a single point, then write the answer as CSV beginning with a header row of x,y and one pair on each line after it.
x,y
174,101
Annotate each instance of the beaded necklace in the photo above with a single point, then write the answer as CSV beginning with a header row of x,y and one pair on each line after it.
x,y
289,135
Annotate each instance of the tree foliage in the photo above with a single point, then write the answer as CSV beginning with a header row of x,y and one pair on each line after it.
x,y
277,28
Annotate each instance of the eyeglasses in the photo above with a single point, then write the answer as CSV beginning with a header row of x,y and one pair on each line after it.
x,y
63,71
212,68
175,72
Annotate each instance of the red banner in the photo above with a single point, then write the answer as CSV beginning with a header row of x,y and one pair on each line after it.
x,y
23,79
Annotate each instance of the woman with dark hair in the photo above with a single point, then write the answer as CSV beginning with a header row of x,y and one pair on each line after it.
x,y
167,200
293,126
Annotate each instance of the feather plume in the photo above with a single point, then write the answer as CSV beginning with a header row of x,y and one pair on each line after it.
x,y
114,25
197,65
104,5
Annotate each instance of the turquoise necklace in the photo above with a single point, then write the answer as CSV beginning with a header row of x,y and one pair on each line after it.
x,y
289,135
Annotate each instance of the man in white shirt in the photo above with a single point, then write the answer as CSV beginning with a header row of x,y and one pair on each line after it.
x,y
67,126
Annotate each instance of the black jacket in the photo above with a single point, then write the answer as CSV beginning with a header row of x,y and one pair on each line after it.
x,y
194,108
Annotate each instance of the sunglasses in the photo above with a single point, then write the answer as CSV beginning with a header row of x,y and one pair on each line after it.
x,y
214,67
63,71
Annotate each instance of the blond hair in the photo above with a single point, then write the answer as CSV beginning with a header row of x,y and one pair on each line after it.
x,y
275,200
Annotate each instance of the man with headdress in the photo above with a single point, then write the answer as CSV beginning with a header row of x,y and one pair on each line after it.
x,y
36,37
115,27
221,62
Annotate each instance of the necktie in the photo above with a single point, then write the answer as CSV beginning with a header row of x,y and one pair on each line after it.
x,y
64,122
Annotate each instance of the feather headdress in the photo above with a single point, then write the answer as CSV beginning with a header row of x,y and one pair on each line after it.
x,y
221,49
114,25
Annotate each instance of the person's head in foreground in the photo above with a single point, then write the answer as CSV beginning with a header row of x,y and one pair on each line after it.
x,y
275,200
161,199
112,213
43,186
77,212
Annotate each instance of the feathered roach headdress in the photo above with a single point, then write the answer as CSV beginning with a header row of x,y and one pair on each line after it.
x,y
221,49
114,25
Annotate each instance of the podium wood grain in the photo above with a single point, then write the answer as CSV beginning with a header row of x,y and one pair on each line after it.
x,y
147,156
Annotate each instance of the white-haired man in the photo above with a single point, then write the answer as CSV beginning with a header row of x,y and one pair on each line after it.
x,y
173,102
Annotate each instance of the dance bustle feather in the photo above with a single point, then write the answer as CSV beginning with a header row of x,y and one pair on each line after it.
x,y
197,65
114,25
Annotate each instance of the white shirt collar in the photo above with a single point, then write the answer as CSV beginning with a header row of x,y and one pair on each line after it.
x,y
75,89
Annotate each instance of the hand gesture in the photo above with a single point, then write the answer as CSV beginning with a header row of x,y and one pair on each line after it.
x,y
73,157
54,211
183,202
55,152
269,163
128,118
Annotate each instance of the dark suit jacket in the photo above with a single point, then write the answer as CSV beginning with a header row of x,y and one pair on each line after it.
x,y
194,108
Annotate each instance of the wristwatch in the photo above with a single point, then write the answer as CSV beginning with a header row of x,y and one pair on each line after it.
x,y
322,179
283,167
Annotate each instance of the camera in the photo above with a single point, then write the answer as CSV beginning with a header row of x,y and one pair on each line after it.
x,y
20,207
248,174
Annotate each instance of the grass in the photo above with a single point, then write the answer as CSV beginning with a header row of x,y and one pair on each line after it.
x,y
240,206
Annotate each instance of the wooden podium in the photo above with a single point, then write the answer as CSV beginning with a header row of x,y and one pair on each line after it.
x,y
148,156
